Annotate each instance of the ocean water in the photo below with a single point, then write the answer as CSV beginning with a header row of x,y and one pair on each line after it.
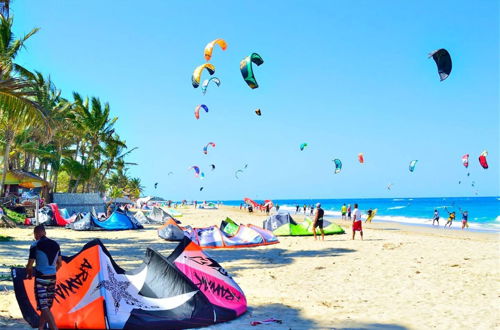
x,y
484,212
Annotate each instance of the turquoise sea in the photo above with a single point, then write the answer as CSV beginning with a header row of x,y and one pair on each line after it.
x,y
484,212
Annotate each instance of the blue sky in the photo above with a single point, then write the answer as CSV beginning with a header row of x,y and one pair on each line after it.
x,y
344,76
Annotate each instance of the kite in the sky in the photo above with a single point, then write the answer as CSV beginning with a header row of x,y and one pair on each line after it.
x,y
482,159
196,77
246,69
302,146
202,175
196,170
210,47
201,188
361,158
390,186
205,83
236,173
170,173
156,184
338,166
212,166
443,62
465,160
258,112
412,165
205,148
197,110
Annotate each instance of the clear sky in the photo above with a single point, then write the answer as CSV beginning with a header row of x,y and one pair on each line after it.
x,y
344,76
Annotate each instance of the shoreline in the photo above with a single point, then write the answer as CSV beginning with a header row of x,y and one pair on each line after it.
x,y
335,283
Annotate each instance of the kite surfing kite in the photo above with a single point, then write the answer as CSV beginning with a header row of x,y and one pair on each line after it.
x,y
412,165
236,173
338,166
361,158
390,186
212,166
482,159
465,160
205,148
205,83
187,289
197,110
196,77
210,47
170,173
202,175
258,112
443,62
246,69
201,188
302,146
156,184
196,170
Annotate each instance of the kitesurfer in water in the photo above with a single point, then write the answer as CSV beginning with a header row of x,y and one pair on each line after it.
x,y
318,221
46,255
356,222
435,218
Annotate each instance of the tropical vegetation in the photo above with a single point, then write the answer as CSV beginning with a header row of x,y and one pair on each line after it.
x,y
70,142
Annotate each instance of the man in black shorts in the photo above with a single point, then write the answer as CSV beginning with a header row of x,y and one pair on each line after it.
x,y
45,253
318,221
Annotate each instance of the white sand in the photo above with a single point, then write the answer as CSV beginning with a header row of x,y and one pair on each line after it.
x,y
399,277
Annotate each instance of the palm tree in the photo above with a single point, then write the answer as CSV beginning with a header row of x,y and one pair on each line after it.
x,y
17,109
134,187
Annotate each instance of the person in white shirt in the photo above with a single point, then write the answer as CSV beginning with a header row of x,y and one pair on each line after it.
x,y
356,222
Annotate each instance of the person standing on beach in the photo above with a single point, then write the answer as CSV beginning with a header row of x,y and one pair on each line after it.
x,y
267,209
305,208
435,218
465,219
356,222
311,211
349,211
297,209
343,210
277,207
451,217
318,221
46,255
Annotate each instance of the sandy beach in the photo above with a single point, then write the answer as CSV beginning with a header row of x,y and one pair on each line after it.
x,y
399,277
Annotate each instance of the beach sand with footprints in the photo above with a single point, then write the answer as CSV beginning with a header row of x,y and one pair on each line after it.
x,y
399,277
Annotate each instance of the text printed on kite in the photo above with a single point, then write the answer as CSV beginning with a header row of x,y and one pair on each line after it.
x,y
196,77
197,110
246,69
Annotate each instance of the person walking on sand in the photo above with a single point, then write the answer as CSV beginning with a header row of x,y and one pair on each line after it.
x,y
356,222
46,255
318,221
465,219
435,218
343,210
451,217
349,211
297,207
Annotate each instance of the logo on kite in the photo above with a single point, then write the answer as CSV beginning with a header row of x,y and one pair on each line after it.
x,y
196,170
197,110
205,148
482,159
302,146
361,158
258,112
196,77
205,83
338,165
412,165
210,47
443,62
246,69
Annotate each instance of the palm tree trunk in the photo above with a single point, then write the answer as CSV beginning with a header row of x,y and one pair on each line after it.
x,y
9,137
